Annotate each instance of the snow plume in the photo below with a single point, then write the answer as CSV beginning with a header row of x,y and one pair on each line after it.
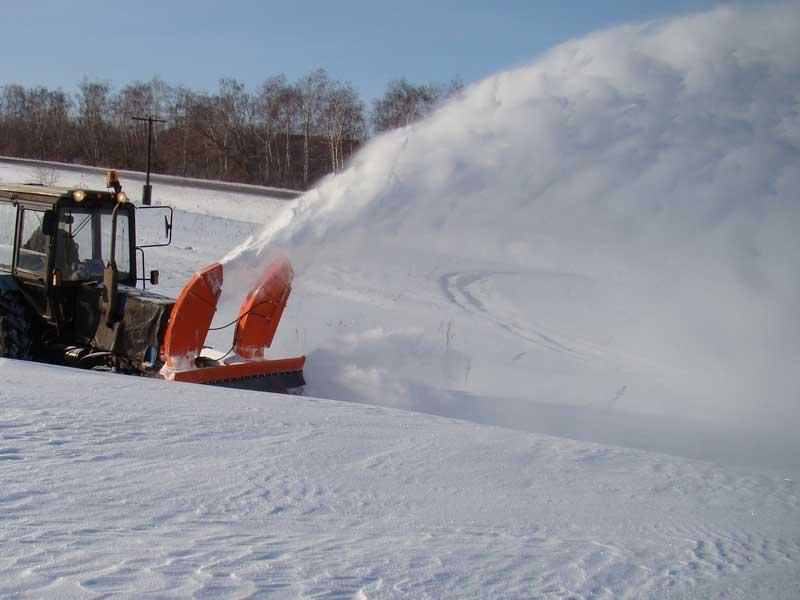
x,y
629,201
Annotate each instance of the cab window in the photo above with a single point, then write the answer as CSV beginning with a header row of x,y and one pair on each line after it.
x,y
32,255
83,244
122,251
8,221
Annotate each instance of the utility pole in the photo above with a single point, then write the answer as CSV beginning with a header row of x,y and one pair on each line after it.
x,y
147,191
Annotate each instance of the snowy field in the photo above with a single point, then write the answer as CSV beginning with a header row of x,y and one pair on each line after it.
x,y
552,340
117,485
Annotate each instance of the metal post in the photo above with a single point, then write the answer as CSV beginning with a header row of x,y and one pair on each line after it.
x,y
148,190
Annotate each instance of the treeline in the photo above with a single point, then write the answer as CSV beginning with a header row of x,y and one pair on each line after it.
x,y
285,134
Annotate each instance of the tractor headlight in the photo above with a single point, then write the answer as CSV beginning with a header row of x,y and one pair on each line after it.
x,y
78,195
122,197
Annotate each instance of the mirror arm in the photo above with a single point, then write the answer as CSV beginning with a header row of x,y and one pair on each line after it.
x,y
142,278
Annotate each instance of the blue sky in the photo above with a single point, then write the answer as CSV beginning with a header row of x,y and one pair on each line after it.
x,y
196,42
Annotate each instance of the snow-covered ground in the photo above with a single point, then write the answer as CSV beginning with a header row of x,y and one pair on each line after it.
x,y
596,252
119,485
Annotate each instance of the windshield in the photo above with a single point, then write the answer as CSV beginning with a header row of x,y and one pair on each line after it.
x,y
83,243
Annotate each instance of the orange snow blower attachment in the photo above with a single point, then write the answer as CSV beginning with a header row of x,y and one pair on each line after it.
x,y
194,310
256,324
262,310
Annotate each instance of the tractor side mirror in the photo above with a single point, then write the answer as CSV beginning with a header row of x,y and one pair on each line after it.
x,y
154,277
149,224
49,223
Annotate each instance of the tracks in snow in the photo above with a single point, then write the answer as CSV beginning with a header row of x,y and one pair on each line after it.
x,y
456,288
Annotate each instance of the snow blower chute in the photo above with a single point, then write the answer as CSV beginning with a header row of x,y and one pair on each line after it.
x,y
255,328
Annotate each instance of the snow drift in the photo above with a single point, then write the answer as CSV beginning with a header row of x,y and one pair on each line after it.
x,y
629,200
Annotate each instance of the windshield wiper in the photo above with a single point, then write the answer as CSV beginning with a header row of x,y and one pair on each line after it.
x,y
80,227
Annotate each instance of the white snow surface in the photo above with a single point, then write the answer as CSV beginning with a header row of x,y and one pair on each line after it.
x,y
596,252
117,485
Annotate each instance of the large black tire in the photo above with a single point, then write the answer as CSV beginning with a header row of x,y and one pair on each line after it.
x,y
16,339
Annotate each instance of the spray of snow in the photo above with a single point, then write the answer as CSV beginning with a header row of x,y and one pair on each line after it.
x,y
629,200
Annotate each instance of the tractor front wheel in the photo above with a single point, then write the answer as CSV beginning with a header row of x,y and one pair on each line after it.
x,y
16,340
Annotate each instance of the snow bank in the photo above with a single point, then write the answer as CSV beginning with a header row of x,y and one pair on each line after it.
x,y
656,165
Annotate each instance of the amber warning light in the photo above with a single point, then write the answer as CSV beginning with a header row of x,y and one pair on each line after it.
x,y
112,181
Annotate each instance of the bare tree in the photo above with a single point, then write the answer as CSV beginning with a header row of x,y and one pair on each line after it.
x,y
342,120
225,120
311,91
48,118
269,104
93,110
403,102
290,103
234,108
179,114
13,120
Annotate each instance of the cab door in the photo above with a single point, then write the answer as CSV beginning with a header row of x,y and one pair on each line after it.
x,y
8,224
31,257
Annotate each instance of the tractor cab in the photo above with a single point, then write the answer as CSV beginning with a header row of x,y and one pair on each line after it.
x,y
71,253
54,238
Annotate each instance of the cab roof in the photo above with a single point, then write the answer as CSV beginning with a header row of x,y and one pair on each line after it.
x,y
47,195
